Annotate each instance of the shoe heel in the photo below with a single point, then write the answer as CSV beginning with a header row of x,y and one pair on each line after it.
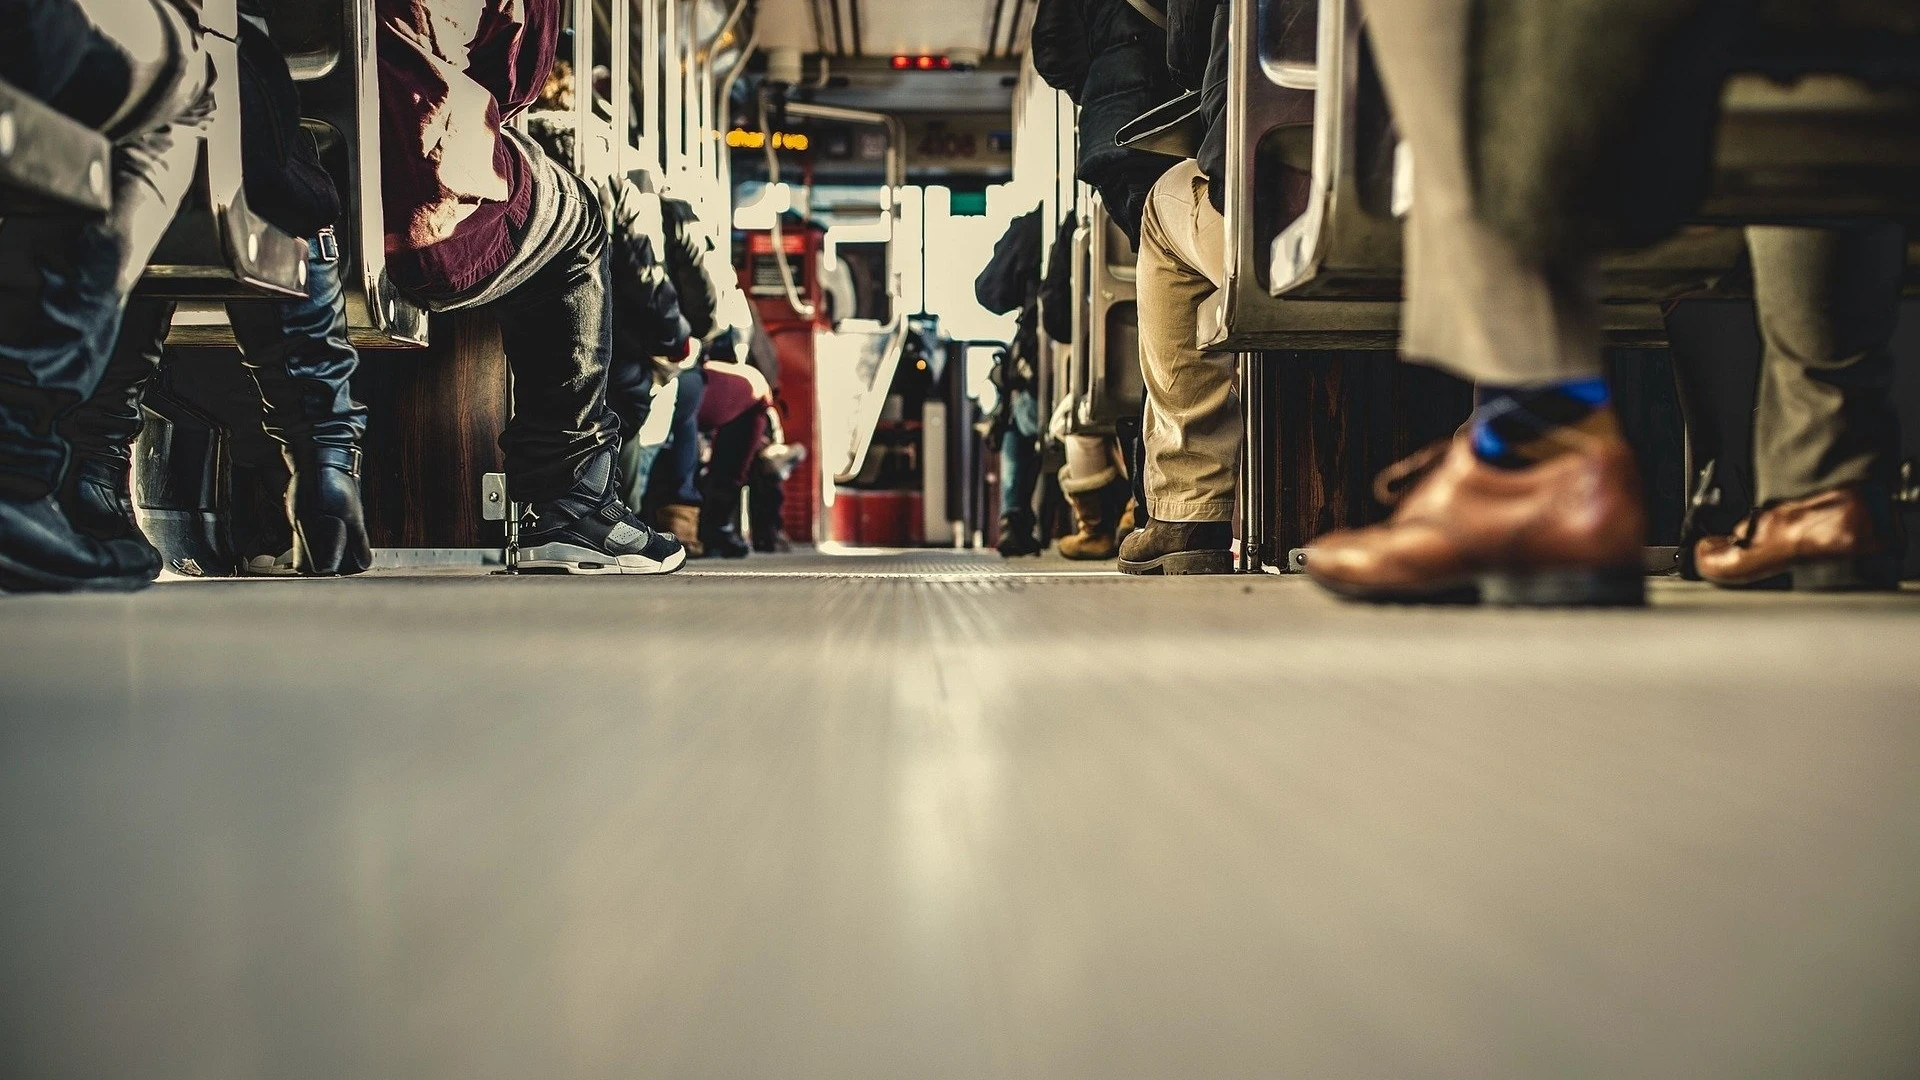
x,y
1197,562
1873,574
1575,587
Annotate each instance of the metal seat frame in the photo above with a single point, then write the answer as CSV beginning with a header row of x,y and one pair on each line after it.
x,y
217,248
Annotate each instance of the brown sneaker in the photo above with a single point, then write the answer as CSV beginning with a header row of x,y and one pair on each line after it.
x,y
1567,531
1830,541
1178,547
683,522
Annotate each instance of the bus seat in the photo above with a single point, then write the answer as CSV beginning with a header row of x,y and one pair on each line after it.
x,y
330,49
216,247
1103,371
1281,131
48,160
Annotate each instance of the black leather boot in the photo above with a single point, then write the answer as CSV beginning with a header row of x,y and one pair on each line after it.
x,y
41,552
97,496
329,530
299,355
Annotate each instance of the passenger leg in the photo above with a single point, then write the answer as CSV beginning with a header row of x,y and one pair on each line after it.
x,y
735,444
298,353
1099,493
562,442
675,486
1539,502
1825,433
97,495
1192,430
1019,473
64,281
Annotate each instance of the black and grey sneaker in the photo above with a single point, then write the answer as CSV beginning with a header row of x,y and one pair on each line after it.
x,y
590,531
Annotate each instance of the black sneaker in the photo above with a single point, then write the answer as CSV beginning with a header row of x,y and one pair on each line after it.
x,y
590,531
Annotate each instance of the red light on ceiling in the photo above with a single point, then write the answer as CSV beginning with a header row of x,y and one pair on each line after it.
x,y
901,63
925,63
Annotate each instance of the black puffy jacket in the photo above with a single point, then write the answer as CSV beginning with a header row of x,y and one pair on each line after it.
x,y
1197,58
1056,289
687,266
1013,270
647,322
1111,60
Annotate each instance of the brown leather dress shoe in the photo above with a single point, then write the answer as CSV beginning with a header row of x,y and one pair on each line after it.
x,y
1565,532
1832,541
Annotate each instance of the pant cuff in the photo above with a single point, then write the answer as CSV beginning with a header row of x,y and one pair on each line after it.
x,y
1170,510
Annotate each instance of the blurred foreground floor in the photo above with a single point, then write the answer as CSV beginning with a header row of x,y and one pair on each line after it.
x,y
910,817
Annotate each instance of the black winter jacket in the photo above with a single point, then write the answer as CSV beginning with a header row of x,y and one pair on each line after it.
x,y
647,322
1014,268
1056,289
1112,61
686,265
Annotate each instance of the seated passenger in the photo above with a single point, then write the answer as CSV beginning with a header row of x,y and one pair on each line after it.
x,y
1107,55
296,351
1826,440
733,416
477,216
1538,500
713,306
134,70
1192,432
1011,282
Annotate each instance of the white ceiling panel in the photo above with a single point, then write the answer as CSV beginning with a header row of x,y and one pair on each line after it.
x,y
892,27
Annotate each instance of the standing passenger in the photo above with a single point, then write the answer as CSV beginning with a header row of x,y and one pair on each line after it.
x,y
478,216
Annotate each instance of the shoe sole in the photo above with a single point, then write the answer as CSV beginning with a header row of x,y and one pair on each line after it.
x,y
573,559
1873,574
1868,574
1181,563
1622,587
15,578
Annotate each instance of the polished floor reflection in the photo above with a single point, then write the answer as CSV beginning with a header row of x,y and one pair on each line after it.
x,y
913,817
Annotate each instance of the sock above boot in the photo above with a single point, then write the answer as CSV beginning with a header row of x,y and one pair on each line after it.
x,y
1515,427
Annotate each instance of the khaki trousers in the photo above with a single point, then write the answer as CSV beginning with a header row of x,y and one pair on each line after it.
x,y
1473,306
1192,428
1828,300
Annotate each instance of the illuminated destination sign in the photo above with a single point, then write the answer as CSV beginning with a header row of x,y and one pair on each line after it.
x,y
745,139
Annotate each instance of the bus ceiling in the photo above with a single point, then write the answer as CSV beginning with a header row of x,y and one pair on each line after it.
x,y
967,31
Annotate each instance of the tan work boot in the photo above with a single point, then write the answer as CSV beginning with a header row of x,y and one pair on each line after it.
x,y
683,522
1565,531
1097,502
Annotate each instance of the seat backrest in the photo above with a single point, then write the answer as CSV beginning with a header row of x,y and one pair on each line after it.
x,y
1103,369
330,48
217,247
1293,140
47,160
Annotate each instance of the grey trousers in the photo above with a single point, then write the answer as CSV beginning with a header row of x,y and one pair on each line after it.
x,y
1828,299
1473,305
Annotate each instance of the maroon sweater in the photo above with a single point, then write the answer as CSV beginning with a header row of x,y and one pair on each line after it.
x,y
450,72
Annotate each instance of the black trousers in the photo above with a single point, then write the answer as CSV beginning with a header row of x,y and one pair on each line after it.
x,y
556,326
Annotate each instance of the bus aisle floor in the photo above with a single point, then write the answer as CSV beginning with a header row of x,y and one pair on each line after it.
x,y
935,815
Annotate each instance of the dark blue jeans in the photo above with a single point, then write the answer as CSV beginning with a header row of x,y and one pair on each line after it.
x,y
64,281
675,480
296,350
